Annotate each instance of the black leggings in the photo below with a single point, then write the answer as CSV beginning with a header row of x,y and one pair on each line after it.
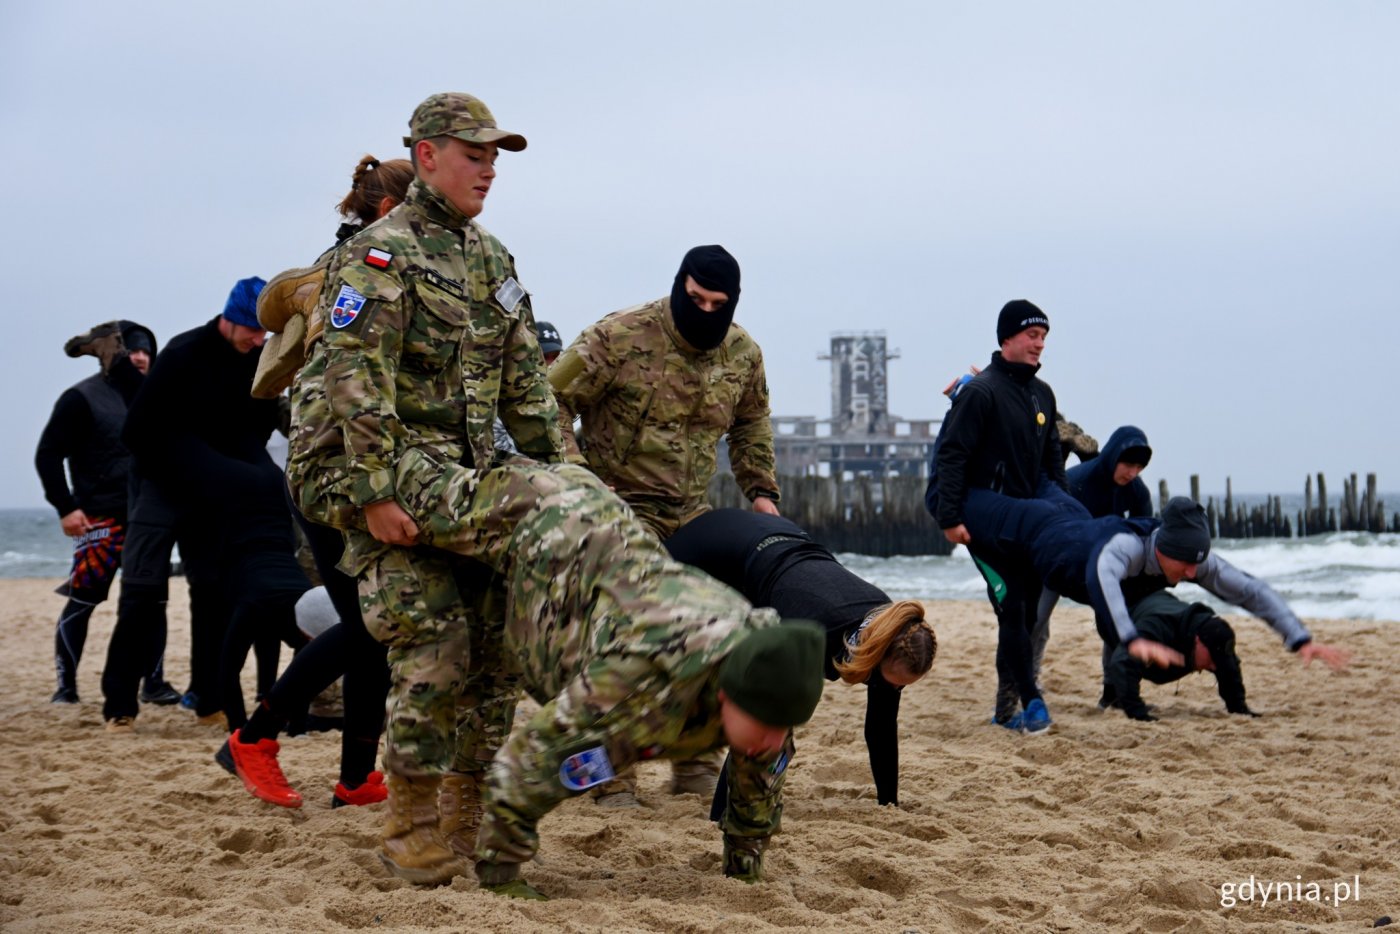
x,y
265,593
344,649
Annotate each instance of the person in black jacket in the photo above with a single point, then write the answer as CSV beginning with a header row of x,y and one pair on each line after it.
x,y
200,442
85,430
870,639
1205,641
1000,435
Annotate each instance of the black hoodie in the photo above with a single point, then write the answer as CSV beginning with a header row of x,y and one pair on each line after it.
x,y
1163,618
1000,435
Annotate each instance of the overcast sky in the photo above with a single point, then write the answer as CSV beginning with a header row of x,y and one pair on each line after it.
x,y
1204,197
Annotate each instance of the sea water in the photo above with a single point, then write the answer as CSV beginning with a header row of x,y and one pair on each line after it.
x,y
1333,576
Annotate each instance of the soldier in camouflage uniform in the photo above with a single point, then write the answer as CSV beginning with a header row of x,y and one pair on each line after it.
x,y
656,386
632,655
428,338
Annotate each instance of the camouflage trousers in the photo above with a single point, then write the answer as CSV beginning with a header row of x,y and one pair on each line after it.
x,y
451,697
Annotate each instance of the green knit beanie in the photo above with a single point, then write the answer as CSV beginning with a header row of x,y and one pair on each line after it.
x,y
775,674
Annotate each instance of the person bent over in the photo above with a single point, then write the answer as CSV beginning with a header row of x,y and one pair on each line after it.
x,y
1206,643
631,655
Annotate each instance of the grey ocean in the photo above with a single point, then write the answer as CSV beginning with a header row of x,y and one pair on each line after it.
x,y
1341,575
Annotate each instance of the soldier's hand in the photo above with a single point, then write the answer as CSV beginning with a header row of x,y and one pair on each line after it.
x,y
765,505
1155,653
76,523
388,523
958,535
1333,658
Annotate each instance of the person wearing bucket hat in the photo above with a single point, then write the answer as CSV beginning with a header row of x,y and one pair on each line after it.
x,y
1001,435
1112,563
631,655
84,431
394,371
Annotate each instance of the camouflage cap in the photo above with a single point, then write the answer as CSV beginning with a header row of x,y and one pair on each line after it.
x,y
460,115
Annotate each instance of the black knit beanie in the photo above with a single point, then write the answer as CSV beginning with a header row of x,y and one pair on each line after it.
x,y
775,674
1185,534
1016,316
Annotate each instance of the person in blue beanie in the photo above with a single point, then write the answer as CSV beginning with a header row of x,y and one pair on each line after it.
x,y
198,440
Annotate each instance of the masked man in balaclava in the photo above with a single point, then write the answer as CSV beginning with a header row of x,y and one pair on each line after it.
x,y
655,387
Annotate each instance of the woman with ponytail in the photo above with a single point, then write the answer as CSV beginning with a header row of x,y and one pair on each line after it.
x,y
286,307
871,640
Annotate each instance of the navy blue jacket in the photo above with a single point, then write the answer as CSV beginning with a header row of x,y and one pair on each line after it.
x,y
1092,483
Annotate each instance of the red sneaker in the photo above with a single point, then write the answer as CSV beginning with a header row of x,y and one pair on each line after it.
x,y
256,764
372,791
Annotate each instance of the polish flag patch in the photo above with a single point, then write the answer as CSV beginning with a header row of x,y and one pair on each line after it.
x,y
378,258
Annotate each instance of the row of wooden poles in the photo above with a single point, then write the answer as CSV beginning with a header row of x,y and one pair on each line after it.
x,y
1356,512
886,516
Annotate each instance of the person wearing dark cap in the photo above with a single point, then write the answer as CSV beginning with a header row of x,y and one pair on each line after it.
x,y
428,339
1000,435
1113,563
631,655
85,431
199,444
655,388
551,344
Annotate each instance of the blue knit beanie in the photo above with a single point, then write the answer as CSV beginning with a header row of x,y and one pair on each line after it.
x,y
242,305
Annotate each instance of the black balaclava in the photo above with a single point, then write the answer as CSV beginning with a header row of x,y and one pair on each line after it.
x,y
714,269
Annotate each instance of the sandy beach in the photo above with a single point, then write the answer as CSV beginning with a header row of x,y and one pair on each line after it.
x,y
1105,825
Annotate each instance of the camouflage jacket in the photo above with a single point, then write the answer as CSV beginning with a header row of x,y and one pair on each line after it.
x,y
428,338
654,409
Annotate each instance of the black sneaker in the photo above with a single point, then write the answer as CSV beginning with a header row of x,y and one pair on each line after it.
x,y
64,696
225,759
162,693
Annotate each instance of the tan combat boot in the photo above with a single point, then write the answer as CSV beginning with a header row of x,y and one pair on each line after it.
x,y
459,804
413,848
697,776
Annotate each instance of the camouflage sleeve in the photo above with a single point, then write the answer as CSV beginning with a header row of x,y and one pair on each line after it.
x,y
579,378
365,318
751,439
527,404
754,811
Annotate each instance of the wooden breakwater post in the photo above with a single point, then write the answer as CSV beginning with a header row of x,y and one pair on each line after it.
x,y
879,516
885,516
1266,521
